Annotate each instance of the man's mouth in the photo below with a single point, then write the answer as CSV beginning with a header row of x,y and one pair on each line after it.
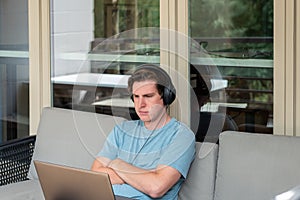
x,y
143,112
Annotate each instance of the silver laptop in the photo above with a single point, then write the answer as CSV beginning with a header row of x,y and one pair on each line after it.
x,y
66,183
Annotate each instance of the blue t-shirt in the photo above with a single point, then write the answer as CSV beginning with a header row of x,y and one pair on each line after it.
x,y
131,141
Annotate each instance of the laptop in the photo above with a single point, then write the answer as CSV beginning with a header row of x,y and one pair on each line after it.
x,y
60,182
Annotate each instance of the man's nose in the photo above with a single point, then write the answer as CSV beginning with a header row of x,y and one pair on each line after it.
x,y
141,102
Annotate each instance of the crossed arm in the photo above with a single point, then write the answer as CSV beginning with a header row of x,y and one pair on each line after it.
x,y
155,182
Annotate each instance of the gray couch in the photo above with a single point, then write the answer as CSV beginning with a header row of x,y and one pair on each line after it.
x,y
243,166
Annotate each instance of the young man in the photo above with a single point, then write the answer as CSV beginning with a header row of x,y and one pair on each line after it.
x,y
148,158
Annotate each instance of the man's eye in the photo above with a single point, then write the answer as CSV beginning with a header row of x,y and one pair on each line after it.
x,y
149,95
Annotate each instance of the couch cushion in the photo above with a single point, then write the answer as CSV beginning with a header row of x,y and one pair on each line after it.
x,y
256,166
201,177
70,137
25,190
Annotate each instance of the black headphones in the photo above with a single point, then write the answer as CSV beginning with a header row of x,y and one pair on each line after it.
x,y
169,91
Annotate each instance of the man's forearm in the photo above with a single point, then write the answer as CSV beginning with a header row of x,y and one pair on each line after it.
x,y
152,182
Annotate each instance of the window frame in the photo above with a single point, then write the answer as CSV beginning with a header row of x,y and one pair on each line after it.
x,y
286,59
39,61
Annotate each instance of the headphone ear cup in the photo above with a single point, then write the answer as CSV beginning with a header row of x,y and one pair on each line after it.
x,y
168,96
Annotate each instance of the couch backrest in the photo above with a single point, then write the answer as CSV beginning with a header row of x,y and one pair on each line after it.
x,y
74,138
200,182
70,137
256,166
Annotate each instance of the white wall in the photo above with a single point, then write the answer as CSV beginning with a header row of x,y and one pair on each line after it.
x,y
71,32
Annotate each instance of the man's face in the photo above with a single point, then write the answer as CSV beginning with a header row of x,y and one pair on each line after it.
x,y
147,101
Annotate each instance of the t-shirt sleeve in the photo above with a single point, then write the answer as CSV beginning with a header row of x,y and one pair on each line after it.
x,y
180,153
110,147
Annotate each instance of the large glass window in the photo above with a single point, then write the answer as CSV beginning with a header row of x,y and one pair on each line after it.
x,y
235,88
95,46
14,70
97,43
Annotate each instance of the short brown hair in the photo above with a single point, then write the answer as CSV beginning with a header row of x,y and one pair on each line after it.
x,y
145,75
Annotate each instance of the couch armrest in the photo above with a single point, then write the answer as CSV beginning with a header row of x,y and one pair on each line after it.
x,y
15,158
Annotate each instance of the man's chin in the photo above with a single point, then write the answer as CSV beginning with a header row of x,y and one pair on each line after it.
x,y
144,118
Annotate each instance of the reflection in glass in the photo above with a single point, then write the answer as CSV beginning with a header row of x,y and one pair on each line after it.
x,y
102,44
238,36
14,70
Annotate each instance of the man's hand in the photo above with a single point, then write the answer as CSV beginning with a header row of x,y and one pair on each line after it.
x,y
114,177
100,165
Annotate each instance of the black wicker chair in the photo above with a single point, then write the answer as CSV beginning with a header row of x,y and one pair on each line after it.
x,y
15,158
